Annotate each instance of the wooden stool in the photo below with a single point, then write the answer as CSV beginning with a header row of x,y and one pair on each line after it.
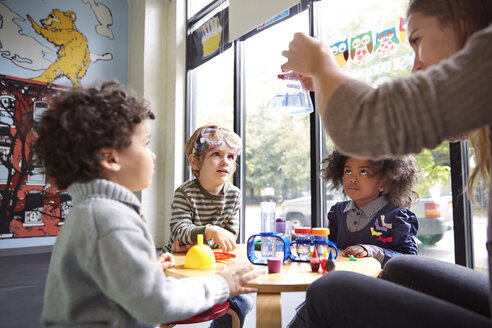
x,y
214,312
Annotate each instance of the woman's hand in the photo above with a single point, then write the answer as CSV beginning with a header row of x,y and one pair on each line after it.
x,y
309,57
307,81
356,251
305,55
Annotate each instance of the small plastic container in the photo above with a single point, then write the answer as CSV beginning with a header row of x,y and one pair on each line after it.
x,y
274,264
303,242
281,240
320,239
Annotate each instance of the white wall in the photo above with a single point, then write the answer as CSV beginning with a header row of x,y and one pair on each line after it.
x,y
157,35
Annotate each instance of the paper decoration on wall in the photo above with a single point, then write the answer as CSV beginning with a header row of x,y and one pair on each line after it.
x,y
284,14
403,29
211,33
361,48
208,39
245,16
387,42
341,52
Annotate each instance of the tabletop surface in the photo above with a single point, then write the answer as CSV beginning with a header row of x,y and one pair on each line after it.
x,y
295,276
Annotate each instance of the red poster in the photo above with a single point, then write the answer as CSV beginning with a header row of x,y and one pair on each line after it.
x,y
29,205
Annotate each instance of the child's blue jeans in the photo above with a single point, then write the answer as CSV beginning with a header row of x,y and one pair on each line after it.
x,y
241,304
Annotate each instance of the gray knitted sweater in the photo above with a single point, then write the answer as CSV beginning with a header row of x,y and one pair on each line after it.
x,y
103,270
406,115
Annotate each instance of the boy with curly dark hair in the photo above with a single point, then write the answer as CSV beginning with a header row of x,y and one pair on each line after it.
x,y
104,270
376,221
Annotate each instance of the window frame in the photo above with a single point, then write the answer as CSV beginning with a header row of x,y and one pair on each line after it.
x,y
460,166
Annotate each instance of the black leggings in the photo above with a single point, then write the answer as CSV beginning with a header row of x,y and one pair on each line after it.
x,y
438,294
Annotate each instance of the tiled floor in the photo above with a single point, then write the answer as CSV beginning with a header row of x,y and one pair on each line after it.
x,y
22,279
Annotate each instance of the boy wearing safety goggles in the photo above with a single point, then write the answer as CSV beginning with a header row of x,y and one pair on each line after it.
x,y
209,204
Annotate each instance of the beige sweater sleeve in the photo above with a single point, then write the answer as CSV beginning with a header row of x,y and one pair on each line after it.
x,y
407,114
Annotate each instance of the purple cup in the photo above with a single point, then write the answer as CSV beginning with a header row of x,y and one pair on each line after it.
x,y
274,264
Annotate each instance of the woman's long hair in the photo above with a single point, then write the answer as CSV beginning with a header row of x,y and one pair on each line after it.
x,y
466,17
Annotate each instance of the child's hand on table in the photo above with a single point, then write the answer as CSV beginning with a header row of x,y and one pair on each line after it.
x,y
236,278
178,248
166,260
356,251
225,239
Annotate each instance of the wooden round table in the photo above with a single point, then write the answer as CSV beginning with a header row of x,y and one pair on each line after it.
x,y
294,277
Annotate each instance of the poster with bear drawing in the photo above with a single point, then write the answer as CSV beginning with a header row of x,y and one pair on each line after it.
x,y
46,46
64,42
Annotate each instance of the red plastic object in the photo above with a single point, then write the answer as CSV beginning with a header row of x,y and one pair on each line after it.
x,y
219,256
214,312
323,265
302,230
315,262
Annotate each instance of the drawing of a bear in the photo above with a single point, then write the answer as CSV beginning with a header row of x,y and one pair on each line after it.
x,y
73,53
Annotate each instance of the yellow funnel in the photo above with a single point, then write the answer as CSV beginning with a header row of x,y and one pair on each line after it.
x,y
200,256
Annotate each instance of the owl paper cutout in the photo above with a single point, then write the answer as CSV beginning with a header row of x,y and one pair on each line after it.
x,y
361,48
403,29
341,52
387,42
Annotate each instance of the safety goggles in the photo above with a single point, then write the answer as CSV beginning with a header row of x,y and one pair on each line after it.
x,y
212,138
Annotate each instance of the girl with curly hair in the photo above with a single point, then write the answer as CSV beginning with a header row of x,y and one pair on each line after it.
x,y
376,221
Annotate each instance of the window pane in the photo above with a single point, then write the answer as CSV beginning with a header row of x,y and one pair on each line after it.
x,y
212,92
479,219
370,43
195,6
277,145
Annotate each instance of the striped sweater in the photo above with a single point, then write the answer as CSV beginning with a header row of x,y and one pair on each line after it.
x,y
194,208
